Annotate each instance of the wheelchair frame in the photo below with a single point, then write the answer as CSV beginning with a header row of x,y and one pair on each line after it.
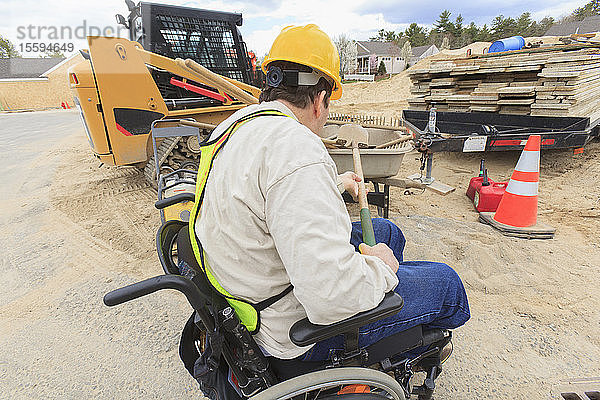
x,y
255,373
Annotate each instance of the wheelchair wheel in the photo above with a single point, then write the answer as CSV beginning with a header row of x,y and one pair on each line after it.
x,y
327,384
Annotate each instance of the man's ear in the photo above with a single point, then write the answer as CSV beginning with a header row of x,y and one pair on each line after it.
x,y
319,100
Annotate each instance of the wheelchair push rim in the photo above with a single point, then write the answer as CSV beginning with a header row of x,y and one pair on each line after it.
x,y
382,385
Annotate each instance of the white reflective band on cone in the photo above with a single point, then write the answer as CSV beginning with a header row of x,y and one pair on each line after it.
x,y
522,188
529,161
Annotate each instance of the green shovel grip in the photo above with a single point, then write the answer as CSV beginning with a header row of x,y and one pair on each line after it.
x,y
367,227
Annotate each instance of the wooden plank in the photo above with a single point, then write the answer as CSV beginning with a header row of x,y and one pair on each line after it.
x,y
516,101
517,90
547,101
436,186
559,74
524,68
486,109
560,106
525,83
401,183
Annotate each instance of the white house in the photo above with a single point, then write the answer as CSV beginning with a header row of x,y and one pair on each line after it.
x,y
421,52
371,54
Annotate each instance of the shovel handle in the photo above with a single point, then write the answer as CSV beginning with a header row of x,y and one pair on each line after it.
x,y
365,215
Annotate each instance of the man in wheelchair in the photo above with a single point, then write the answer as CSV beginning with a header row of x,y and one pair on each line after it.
x,y
282,283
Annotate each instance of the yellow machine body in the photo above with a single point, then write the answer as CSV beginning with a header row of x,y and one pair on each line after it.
x,y
119,99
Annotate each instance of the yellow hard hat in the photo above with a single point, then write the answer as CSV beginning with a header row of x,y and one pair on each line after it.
x,y
307,45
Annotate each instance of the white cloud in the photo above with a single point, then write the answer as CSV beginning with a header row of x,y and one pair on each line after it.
x,y
559,10
262,19
260,40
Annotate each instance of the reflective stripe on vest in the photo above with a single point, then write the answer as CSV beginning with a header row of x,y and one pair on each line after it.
x,y
245,311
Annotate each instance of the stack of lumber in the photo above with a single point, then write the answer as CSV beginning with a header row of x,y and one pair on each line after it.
x,y
558,81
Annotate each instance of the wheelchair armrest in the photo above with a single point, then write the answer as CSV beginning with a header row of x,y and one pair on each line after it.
x,y
178,198
304,332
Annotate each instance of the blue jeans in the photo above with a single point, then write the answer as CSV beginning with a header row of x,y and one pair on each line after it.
x,y
433,295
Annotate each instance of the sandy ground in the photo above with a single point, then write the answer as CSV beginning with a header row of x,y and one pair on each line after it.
x,y
73,230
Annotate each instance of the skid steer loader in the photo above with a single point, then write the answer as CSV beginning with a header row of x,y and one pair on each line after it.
x,y
122,86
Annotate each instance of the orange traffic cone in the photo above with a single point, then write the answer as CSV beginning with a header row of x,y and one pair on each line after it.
x,y
517,212
67,105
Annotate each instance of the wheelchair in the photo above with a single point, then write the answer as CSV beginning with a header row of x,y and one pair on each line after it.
x,y
232,360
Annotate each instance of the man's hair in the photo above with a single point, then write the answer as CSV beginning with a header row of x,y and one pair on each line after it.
x,y
299,96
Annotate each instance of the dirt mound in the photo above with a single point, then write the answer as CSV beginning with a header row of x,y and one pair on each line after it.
x,y
387,97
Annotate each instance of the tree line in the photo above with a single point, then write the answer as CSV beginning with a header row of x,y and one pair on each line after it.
x,y
453,34
445,32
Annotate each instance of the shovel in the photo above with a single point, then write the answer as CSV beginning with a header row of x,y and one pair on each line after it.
x,y
356,135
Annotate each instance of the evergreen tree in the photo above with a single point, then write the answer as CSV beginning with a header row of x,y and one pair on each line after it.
x,y
458,26
503,27
590,9
385,36
544,25
416,35
381,70
524,24
485,35
443,24
53,54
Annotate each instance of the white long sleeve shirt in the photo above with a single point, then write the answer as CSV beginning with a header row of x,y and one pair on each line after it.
x,y
272,215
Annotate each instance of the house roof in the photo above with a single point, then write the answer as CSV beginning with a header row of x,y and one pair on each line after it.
x,y
419,50
378,48
26,67
589,24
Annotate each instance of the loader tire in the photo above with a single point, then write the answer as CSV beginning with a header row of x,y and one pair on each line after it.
x,y
164,149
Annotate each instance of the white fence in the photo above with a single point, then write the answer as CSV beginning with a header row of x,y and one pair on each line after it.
x,y
359,77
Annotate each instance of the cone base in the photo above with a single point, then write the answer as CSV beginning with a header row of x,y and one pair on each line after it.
x,y
537,231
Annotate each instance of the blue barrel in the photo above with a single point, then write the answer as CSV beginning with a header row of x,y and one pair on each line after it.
x,y
511,43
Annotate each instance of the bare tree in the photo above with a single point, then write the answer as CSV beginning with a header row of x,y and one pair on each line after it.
x,y
406,52
348,52
445,43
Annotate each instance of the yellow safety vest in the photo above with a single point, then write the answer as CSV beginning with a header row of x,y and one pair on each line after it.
x,y
248,313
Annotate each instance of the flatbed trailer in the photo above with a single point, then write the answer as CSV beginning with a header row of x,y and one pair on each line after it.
x,y
485,131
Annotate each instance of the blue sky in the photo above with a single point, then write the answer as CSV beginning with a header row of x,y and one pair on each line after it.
x,y
263,19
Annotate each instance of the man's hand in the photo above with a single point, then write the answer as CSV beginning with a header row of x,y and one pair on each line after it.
x,y
383,252
350,181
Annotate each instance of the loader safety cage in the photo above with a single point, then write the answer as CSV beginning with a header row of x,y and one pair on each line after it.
x,y
211,38
501,131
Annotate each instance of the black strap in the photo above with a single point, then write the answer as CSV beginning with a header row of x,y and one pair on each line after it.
x,y
271,300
